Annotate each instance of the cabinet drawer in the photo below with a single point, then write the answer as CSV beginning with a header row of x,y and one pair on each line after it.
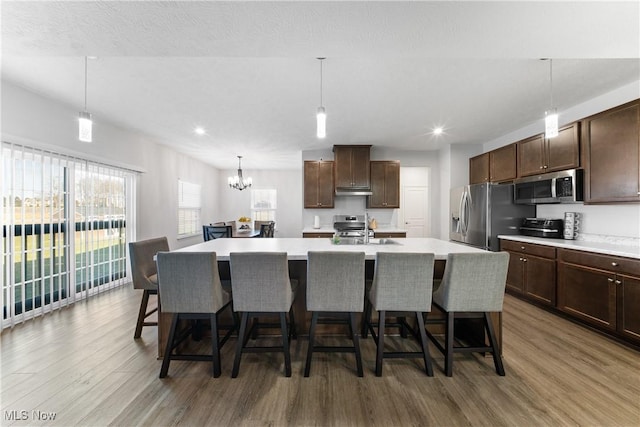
x,y
604,262
387,234
317,235
528,248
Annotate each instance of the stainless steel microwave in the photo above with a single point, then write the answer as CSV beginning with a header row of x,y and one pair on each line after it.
x,y
555,187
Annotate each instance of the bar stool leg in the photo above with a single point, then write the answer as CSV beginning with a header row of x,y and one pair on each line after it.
x,y
356,343
285,344
240,344
215,347
366,319
312,334
448,357
380,343
428,367
497,359
169,347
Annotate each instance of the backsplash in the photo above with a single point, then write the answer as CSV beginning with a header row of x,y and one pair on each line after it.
x,y
612,240
613,223
352,205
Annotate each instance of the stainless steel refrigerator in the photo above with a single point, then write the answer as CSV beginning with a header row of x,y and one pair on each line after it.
x,y
481,212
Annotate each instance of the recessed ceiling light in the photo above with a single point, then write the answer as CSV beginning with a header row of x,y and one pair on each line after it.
x,y
199,131
438,130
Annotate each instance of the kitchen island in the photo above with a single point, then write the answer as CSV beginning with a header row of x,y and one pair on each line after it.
x,y
297,248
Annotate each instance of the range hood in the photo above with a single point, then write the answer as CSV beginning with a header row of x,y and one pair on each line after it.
x,y
353,191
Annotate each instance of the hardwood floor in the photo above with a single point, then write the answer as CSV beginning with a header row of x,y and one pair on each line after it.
x,y
83,364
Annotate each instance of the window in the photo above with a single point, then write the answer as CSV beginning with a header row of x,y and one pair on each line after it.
x,y
64,224
188,209
263,205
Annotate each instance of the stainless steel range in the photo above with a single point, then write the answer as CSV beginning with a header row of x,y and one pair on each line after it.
x,y
351,226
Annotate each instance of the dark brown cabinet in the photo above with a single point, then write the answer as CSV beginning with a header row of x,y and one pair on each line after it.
x,y
479,169
385,184
532,271
317,235
388,234
611,150
538,154
498,165
503,164
601,290
352,166
318,184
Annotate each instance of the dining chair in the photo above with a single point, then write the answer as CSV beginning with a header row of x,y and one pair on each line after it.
x,y
144,275
262,288
211,232
473,285
267,229
190,289
335,292
402,282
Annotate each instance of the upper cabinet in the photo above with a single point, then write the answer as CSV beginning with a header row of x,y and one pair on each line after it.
x,y
611,155
502,164
318,184
498,165
352,166
385,184
479,169
538,154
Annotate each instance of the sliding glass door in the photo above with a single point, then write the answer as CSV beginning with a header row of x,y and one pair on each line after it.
x,y
64,230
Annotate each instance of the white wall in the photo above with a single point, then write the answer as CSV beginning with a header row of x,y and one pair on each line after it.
x,y
33,120
288,183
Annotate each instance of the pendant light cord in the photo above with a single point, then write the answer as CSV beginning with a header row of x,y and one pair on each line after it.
x,y
85,83
551,82
321,59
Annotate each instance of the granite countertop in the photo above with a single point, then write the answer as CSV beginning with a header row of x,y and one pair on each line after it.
x,y
297,248
630,251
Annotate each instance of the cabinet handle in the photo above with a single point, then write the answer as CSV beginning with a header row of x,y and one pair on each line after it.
x,y
519,259
618,282
545,166
609,279
522,248
615,264
541,167
524,260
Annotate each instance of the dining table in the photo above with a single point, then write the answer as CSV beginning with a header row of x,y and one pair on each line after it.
x,y
297,250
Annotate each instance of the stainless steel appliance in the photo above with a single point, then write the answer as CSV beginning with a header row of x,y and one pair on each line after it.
x,y
480,212
555,187
542,227
351,226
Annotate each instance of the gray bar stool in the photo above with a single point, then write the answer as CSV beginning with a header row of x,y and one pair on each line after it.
x,y
402,282
261,287
473,284
190,288
144,272
335,289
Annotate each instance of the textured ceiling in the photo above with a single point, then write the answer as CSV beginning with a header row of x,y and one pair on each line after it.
x,y
247,73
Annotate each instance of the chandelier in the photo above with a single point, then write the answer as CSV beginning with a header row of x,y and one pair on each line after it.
x,y
239,182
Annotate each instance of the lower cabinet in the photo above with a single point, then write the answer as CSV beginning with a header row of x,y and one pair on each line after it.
x,y
601,290
532,271
388,234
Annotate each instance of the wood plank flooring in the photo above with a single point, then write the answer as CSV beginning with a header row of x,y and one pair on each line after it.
x,y
83,364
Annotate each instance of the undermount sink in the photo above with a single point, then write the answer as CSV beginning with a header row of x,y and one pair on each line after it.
x,y
360,241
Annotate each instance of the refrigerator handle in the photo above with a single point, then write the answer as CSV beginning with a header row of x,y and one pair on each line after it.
x,y
464,218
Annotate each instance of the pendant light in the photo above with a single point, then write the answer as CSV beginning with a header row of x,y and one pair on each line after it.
x,y
84,120
239,182
551,115
321,115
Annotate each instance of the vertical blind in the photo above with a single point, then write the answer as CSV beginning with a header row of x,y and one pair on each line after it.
x,y
66,222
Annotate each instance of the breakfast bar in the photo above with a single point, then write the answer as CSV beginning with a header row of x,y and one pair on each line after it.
x,y
297,249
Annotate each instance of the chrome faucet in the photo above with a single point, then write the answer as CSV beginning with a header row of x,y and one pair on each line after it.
x,y
366,228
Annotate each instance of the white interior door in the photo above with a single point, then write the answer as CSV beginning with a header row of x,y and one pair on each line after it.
x,y
414,212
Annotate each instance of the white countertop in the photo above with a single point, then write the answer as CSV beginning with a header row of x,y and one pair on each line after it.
x,y
581,245
297,248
